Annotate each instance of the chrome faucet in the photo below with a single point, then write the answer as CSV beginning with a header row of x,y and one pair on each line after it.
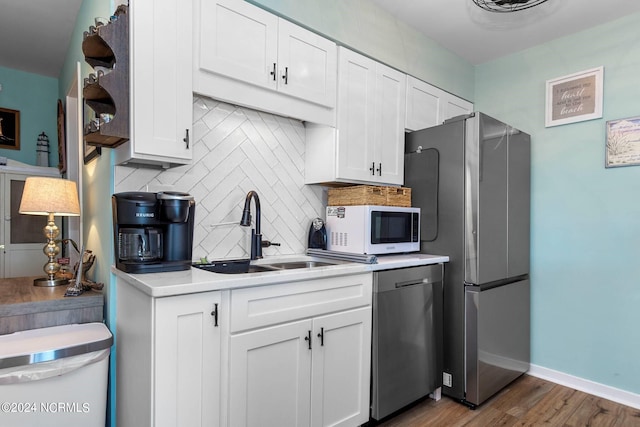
x,y
256,236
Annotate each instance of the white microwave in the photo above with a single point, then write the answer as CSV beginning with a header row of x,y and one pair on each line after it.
x,y
369,229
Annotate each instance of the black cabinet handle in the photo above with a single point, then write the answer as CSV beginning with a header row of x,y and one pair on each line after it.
x,y
321,336
379,170
286,75
308,339
273,73
186,138
214,313
373,168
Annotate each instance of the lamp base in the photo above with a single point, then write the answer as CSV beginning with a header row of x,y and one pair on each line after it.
x,y
45,281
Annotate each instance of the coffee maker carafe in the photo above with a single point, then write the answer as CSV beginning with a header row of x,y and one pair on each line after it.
x,y
153,232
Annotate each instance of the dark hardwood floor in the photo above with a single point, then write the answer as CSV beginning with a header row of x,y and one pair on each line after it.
x,y
528,401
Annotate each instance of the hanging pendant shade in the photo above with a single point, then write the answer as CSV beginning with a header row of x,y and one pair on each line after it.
x,y
507,5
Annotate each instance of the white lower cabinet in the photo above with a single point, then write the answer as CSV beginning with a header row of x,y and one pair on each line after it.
x,y
287,354
187,368
310,372
168,359
340,369
269,377
300,353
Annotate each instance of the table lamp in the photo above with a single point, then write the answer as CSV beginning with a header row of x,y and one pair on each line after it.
x,y
50,197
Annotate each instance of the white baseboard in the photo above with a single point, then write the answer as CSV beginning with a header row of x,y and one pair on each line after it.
x,y
587,386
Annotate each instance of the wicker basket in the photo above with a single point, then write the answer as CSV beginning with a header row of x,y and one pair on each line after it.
x,y
369,195
398,196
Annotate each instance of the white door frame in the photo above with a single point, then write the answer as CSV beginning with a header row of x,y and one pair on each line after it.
x,y
74,141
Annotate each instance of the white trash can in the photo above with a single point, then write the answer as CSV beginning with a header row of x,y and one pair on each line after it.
x,y
55,376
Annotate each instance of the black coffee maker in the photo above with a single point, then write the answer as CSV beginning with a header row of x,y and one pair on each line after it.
x,y
153,232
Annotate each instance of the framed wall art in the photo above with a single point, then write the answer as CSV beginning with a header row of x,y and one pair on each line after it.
x,y
623,142
9,129
574,98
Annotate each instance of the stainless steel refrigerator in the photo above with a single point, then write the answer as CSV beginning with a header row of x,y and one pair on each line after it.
x,y
471,178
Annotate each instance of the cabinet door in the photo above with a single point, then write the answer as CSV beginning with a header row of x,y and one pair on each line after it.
x,y
430,106
270,380
238,40
388,155
307,64
161,57
356,116
341,368
424,105
187,361
454,106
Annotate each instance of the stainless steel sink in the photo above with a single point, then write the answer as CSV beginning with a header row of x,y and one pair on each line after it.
x,y
297,264
243,266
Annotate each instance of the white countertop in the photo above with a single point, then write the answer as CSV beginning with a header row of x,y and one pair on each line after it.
x,y
196,280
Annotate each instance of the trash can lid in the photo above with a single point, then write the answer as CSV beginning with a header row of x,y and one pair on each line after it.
x,y
46,344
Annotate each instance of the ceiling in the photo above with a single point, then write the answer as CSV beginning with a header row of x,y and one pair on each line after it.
x,y
480,36
35,34
38,34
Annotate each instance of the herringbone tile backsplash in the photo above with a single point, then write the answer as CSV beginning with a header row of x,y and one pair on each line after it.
x,y
237,150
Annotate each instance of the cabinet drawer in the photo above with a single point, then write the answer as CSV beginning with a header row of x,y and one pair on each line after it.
x,y
267,305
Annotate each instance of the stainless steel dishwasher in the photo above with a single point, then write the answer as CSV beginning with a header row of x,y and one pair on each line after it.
x,y
406,360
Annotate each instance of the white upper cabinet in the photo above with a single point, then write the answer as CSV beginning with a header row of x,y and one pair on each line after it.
x,y
388,147
247,56
367,145
161,84
306,64
356,116
238,40
429,106
424,105
455,106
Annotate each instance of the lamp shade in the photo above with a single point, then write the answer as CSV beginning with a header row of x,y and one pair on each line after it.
x,y
44,196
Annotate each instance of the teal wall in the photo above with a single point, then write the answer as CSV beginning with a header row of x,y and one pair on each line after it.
x,y
585,226
36,97
97,184
364,27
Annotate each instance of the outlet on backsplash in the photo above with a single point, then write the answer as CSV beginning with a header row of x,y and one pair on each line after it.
x,y
156,187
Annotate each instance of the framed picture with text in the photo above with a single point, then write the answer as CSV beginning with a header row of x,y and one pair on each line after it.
x,y
9,129
574,98
623,142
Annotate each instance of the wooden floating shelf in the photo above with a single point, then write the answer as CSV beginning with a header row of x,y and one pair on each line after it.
x,y
99,140
108,92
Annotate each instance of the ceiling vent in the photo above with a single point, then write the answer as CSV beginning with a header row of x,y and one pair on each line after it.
x,y
503,6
